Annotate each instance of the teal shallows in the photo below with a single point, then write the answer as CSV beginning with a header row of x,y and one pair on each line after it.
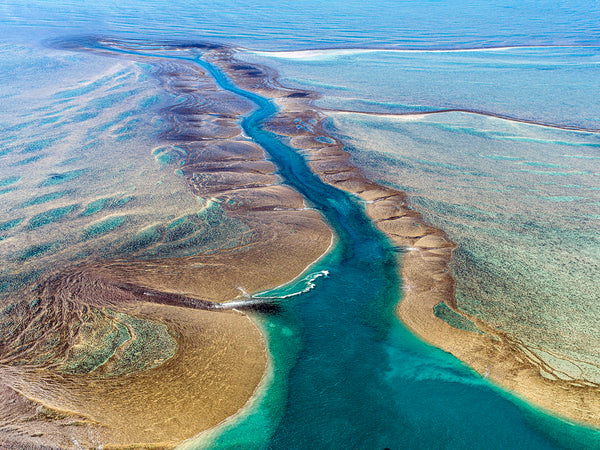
x,y
105,204
111,99
82,117
152,346
181,228
445,313
95,206
324,140
142,240
206,231
149,101
124,137
11,282
49,216
197,233
37,250
168,155
543,164
29,160
39,145
10,224
346,373
104,226
43,198
130,126
66,162
122,201
165,159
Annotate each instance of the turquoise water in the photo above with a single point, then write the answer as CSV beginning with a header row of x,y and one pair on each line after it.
x,y
522,203
346,373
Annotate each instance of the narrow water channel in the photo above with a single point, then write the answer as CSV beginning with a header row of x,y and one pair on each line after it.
x,y
347,373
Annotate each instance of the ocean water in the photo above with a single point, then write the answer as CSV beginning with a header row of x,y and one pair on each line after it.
x,y
267,24
79,175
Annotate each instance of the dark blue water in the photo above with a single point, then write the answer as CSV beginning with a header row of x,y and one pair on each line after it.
x,y
347,374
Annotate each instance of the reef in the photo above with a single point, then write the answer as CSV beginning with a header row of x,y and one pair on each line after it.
x,y
124,351
428,304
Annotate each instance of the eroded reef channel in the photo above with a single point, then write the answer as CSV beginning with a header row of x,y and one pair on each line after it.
x,y
105,340
428,286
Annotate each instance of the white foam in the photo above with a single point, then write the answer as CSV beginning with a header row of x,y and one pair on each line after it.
x,y
336,52
310,285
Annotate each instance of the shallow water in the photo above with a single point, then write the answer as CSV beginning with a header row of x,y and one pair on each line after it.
x,y
522,203
92,181
77,153
520,200
350,375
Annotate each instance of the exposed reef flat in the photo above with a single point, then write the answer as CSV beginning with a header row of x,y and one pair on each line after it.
x,y
428,286
131,351
110,368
